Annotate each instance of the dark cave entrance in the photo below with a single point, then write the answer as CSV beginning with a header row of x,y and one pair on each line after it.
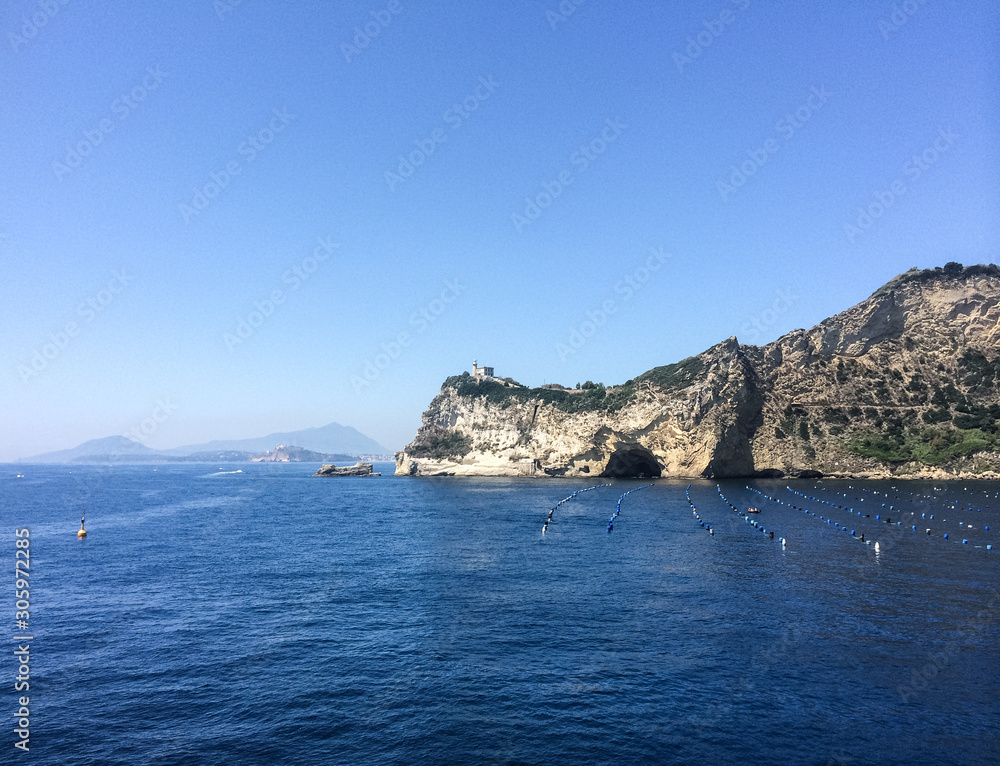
x,y
632,463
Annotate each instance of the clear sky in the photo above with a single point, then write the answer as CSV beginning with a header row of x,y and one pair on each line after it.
x,y
216,215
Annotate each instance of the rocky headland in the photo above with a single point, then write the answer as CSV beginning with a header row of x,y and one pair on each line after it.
x,y
904,384
291,454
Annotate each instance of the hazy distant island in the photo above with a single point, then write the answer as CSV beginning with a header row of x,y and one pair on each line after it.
x,y
904,384
329,443
290,454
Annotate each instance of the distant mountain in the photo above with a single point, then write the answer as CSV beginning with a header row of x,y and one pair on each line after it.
x,y
114,448
328,439
332,441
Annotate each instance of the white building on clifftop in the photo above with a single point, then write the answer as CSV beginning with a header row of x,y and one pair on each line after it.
x,y
481,373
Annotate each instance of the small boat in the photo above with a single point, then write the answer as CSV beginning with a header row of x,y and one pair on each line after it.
x,y
753,510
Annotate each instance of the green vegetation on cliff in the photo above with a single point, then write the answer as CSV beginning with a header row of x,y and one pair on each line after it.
x,y
442,445
588,399
977,370
957,425
495,392
929,446
675,376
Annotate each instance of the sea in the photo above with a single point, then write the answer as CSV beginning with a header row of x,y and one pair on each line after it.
x,y
255,614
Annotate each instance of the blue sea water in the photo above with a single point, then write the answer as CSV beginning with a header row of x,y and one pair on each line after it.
x,y
269,617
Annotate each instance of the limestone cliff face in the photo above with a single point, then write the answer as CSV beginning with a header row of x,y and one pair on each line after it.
x,y
905,383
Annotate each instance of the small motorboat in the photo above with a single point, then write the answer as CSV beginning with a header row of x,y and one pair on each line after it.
x,y
753,510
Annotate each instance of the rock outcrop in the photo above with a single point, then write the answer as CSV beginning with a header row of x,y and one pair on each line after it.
x,y
358,469
906,383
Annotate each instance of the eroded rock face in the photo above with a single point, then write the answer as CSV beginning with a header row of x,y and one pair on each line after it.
x,y
791,406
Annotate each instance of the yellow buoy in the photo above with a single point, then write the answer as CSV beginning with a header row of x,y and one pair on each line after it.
x,y
82,532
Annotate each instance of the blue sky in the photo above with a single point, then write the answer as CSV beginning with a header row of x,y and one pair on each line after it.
x,y
564,196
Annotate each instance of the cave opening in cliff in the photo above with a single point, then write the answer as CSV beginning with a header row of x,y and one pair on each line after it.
x,y
632,463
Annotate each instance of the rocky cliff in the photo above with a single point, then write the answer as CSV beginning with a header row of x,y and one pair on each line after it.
x,y
906,383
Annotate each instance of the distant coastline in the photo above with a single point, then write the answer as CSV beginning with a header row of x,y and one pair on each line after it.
x,y
204,457
325,444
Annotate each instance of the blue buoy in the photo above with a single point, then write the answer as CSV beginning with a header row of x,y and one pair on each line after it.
x,y
989,547
965,542
945,535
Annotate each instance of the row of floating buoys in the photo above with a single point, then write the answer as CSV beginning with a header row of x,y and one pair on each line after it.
x,y
878,516
829,521
753,522
566,500
618,507
952,504
888,519
746,516
697,516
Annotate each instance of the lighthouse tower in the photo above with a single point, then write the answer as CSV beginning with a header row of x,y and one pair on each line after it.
x,y
481,373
